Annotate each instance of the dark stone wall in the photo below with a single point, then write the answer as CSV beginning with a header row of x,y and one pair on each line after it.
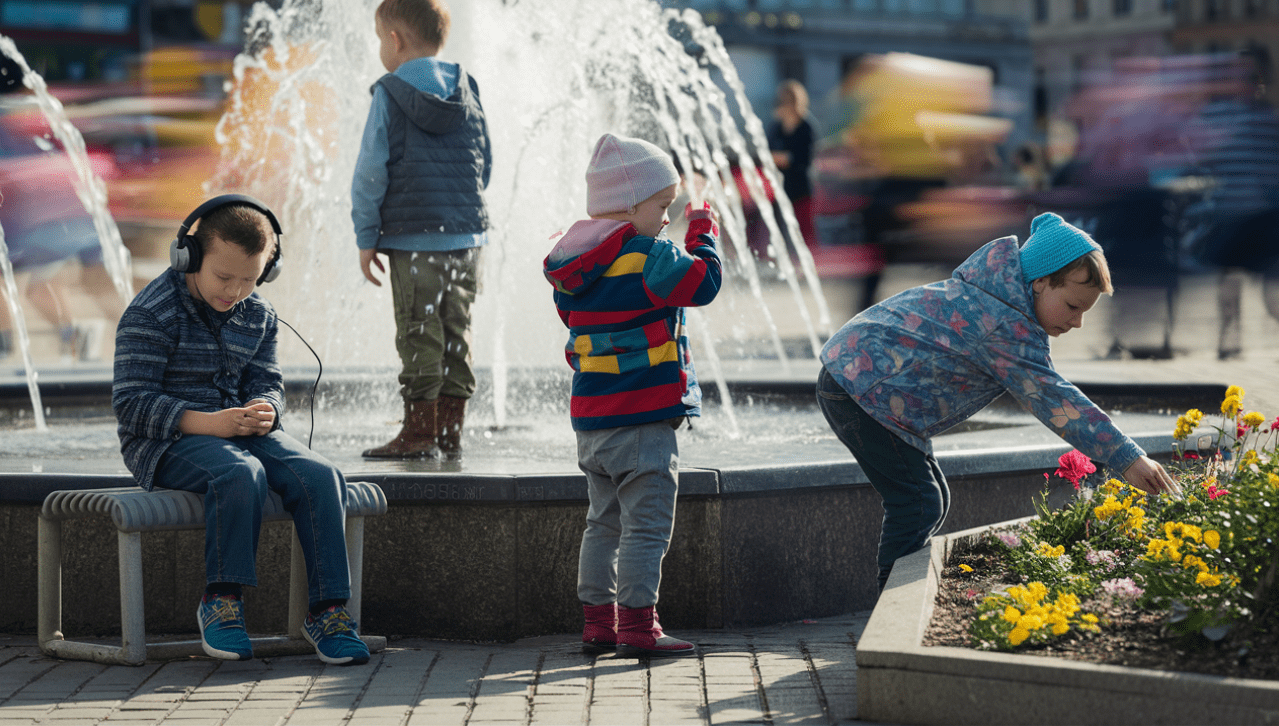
x,y
501,570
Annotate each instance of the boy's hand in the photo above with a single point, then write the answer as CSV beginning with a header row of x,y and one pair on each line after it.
x,y
704,213
1148,476
255,419
369,257
700,221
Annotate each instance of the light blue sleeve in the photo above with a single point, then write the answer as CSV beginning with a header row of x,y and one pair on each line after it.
x,y
368,185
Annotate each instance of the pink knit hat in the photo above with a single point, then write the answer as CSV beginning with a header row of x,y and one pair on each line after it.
x,y
624,172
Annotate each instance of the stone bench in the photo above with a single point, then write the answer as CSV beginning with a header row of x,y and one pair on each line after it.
x,y
134,511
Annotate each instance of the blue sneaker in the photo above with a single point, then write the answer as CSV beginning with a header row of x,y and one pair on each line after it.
x,y
222,632
333,634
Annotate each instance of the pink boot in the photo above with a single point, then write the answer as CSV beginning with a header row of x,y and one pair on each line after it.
x,y
600,634
639,634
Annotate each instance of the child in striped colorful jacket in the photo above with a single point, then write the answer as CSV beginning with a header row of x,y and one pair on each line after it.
x,y
621,290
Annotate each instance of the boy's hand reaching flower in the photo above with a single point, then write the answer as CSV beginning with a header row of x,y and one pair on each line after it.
x,y
1147,475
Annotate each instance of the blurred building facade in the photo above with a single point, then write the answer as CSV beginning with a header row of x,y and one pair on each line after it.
x,y
69,41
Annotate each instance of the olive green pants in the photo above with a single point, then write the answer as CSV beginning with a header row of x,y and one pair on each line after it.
x,y
433,293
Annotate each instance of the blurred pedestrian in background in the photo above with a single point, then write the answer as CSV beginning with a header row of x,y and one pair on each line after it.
x,y
1236,225
792,138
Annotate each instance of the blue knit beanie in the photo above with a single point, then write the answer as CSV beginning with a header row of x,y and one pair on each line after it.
x,y
1052,245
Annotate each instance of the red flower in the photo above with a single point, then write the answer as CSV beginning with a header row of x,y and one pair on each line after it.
x,y
1073,466
1190,455
1214,492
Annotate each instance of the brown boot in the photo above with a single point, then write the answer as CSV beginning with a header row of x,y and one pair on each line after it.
x,y
416,439
452,411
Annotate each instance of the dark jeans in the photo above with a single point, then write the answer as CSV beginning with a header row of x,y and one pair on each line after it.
x,y
235,475
911,484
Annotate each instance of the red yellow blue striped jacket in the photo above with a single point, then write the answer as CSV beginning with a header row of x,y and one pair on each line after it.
x,y
622,296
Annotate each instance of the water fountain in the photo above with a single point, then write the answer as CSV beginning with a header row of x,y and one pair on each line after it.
x,y
91,191
776,521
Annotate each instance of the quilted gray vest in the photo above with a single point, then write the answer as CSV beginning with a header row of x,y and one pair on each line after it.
x,y
440,159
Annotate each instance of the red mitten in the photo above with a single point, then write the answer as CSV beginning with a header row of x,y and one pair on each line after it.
x,y
700,221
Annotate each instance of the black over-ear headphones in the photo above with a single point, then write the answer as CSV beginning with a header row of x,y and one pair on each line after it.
x,y
185,254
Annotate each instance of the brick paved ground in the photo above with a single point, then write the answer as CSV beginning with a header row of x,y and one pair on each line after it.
x,y
796,673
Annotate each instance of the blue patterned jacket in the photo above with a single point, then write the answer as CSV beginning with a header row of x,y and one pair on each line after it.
x,y
932,356
168,360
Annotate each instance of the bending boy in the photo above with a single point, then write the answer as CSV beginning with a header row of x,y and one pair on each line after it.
x,y
920,362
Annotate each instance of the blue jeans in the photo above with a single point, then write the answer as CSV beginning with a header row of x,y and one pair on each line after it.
x,y
234,475
632,474
911,484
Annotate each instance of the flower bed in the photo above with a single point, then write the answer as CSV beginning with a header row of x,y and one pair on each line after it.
x,y
1206,560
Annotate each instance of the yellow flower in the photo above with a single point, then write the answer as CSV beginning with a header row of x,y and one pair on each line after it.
x,y
1048,550
1207,579
1030,622
1249,458
1018,636
1234,391
1273,479
1111,487
1212,538
1232,405
966,568
1060,628
1253,419
1012,615
1108,508
1089,618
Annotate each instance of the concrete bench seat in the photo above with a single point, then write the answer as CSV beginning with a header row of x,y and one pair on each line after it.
x,y
134,511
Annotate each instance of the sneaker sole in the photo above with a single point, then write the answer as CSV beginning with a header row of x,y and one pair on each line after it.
x,y
214,652
349,660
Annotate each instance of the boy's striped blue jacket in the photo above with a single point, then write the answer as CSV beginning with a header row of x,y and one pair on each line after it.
x,y
622,296
168,360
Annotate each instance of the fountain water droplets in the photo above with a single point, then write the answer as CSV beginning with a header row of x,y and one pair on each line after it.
x,y
20,327
553,76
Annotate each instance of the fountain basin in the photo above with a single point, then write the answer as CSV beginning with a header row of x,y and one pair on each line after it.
x,y
899,680
774,526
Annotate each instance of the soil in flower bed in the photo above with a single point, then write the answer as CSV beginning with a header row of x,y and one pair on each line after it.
x,y
1128,637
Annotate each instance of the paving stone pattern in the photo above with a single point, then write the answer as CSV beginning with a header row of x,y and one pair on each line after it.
x,y
795,673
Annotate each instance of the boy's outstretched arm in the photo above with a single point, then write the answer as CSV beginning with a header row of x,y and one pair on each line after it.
x,y
1063,408
690,277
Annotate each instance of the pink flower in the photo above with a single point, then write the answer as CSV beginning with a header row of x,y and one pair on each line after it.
x,y
1073,466
1214,492
1240,430
1190,455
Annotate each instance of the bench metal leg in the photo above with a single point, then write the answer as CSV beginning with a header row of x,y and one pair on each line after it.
x,y
355,564
133,650
49,576
133,622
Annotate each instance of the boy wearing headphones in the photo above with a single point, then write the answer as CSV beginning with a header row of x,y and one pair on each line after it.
x,y
198,397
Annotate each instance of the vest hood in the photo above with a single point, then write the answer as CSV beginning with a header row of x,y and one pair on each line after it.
x,y
427,111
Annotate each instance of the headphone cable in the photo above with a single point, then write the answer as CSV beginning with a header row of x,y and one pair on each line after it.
x,y
315,385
